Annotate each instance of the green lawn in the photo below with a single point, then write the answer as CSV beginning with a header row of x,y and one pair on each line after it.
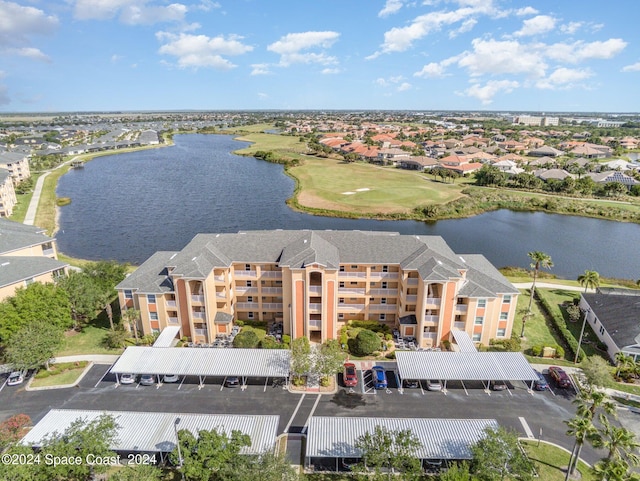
x,y
90,340
538,329
549,460
59,374
20,209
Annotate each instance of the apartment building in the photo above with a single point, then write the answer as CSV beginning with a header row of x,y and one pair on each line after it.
x,y
27,255
17,164
316,281
7,194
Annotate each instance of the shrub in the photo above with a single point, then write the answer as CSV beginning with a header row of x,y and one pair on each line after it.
x,y
325,381
390,355
365,343
537,350
269,343
388,336
115,339
374,326
574,313
446,344
344,339
559,351
239,323
286,339
560,326
247,339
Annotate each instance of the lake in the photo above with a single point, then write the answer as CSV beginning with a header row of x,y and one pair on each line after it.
x,y
126,207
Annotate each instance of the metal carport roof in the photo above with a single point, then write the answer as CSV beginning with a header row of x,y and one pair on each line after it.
x,y
199,361
166,337
155,432
464,366
334,437
463,341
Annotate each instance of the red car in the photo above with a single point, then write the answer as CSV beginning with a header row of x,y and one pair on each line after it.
x,y
560,377
350,376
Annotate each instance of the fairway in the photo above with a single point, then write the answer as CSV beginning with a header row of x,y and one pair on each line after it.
x,y
336,185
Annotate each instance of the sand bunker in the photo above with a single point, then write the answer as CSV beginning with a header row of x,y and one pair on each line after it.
x,y
348,193
363,190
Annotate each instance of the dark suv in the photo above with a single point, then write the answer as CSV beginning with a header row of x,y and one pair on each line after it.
x,y
560,377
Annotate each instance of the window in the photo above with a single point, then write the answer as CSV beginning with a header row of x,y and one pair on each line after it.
x,y
58,273
385,268
341,268
341,316
506,299
249,284
384,285
482,303
151,298
383,317
249,298
264,283
247,267
128,294
478,321
155,331
341,300
354,268
264,298
250,315
341,284
601,329
460,300
352,283
383,300
153,316
501,332
477,337
504,316
29,281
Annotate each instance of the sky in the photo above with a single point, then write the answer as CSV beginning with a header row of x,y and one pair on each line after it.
x,y
504,55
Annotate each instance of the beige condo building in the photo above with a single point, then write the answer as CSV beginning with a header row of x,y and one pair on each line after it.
x,y
314,282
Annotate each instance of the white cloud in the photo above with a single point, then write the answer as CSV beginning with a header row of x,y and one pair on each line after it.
x,y
382,82
116,58
634,67
202,51
260,69
330,71
390,7
571,27
564,77
30,52
396,81
521,12
18,24
432,69
290,48
207,5
579,51
502,57
131,12
466,26
536,26
262,95
404,86
485,93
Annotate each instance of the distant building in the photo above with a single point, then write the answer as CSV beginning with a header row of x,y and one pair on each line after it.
x,y
17,164
7,194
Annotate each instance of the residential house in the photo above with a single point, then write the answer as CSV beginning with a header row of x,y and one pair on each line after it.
x,y
314,282
460,164
545,151
392,156
613,176
558,174
418,163
508,167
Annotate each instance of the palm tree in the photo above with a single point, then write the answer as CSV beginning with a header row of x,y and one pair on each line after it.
x,y
590,279
606,470
619,442
623,361
540,259
582,428
589,400
132,316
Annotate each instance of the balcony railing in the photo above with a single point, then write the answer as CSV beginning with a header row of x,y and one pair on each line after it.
x,y
197,298
315,323
251,274
219,278
347,274
247,305
384,275
428,318
459,325
241,290
383,292
272,290
200,332
412,281
199,315
315,289
461,307
47,252
383,307
350,307
171,303
433,301
272,305
315,307
221,294
412,298
173,320
272,274
347,291
429,335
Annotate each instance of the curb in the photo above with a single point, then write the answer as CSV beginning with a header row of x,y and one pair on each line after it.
x,y
60,386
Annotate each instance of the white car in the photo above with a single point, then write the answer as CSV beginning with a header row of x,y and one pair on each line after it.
x,y
434,385
127,378
15,378
171,378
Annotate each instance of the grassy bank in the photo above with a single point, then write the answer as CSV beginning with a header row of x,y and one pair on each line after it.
x,y
549,461
59,374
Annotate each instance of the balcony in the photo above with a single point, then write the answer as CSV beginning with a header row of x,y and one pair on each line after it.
x,y
351,307
433,301
242,290
459,325
383,275
48,252
383,307
383,292
429,335
219,278
200,332
199,315
221,294
272,274
315,290
315,323
412,281
171,303
411,299
242,306
272,290
461,307
245,274
173,320
428,318
346,291
352,275
315,307
197,298
272,305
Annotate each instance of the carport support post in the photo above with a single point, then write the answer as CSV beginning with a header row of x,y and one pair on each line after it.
x,y
117,379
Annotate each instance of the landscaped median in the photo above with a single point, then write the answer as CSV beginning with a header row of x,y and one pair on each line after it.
x,y
61,375
551,461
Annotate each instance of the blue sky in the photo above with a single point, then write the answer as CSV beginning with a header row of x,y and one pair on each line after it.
x,y
508,55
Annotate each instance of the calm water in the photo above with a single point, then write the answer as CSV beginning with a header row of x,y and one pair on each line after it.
x,y
128,206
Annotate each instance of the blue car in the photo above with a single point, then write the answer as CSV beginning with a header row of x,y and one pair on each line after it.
x,y
540,384
379,378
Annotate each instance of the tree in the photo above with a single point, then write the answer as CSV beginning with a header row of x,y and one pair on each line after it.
x,y
301,361
619,442
106,275
582,429
597,371
13,429
131,317
365,343
623,362
390,450
328,359
490,175
456,472
34,345
137,472
246,338
499,454
590,279
83,294
613,471
540,259
266,467
210,455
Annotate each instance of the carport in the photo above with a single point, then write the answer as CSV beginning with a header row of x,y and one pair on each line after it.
x,y
330,439
167,336
463,342
203,362
465,366
155,433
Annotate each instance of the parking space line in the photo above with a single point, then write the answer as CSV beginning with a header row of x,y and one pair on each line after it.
x,y
420,384
286,429
183,378
551,391
526,428
103,376
313,409
465,388
4,384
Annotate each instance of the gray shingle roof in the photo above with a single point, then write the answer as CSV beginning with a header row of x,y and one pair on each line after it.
x,y
14,236
619,314
152,276
483,279
18,268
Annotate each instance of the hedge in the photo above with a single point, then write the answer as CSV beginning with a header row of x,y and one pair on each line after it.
x,y
560,326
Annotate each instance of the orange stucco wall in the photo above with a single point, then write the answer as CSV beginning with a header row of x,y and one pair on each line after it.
x,y
449,300
183,306
330,334
299,321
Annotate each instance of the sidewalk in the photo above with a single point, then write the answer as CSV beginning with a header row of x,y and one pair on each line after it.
x,y
549,285
95,358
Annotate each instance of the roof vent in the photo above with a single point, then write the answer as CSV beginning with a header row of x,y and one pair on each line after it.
x,y
462,259
217,235
439,262
175,254
194,258
305,241
4,264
